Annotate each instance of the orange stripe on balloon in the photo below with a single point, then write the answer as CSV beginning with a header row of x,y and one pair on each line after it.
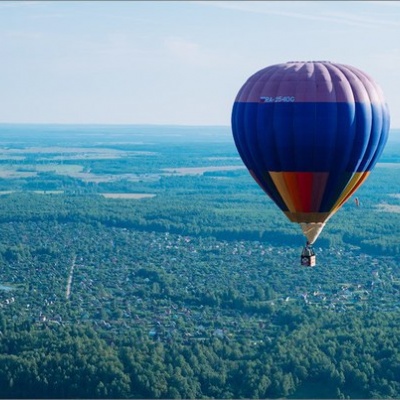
x,y
292,185
280,183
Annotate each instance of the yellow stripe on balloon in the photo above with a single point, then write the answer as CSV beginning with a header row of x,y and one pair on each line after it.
x,y
355,182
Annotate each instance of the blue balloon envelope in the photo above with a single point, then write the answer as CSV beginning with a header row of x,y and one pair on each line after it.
x,y
309,134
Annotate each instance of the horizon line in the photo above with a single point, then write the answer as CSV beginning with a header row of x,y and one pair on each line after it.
x,y
127,124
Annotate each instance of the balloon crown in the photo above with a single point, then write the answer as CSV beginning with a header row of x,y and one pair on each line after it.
x,y
311,61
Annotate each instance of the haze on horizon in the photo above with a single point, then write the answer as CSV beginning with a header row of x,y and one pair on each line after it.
x,y
176,62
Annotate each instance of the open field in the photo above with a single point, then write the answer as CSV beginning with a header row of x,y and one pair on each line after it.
x,y
201,170
135,196
59,150
10,157
59,153
391,208
11,172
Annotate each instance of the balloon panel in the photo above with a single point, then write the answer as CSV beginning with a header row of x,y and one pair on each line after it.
x,y
309,137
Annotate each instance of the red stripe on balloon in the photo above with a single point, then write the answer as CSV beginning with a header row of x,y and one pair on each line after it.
x,y
305,184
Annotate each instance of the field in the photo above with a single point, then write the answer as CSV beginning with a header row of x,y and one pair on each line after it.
x,y
137,196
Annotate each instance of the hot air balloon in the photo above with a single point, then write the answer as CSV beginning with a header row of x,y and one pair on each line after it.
x,y
310,132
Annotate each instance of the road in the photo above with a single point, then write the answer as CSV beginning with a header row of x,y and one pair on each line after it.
x,y
70,276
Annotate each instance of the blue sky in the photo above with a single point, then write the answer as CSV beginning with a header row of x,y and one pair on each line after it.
x,y
183,62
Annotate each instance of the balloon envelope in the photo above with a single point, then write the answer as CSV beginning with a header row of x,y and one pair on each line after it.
x,y
310,133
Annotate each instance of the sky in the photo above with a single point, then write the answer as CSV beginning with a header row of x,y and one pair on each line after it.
x,y
177,62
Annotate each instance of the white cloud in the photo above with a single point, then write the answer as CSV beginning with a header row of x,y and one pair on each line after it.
x,y
189,52
183,49
357,15
362,20
15,4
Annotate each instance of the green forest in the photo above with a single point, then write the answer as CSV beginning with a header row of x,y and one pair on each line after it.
x,y
144,262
